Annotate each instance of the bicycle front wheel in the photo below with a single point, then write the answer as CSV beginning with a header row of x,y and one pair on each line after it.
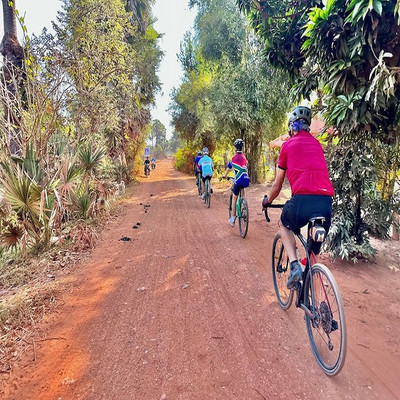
x,y
327,329
281,272
243,218
208,199
230,205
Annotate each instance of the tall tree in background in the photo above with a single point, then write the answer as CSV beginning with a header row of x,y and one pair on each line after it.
x,y
227,92
13,55
141,12
113,66
158,133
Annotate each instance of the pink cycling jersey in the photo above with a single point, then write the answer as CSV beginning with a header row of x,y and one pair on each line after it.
x,y
303,159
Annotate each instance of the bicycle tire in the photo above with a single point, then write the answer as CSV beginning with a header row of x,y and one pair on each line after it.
x,y
207,196
329,324
199,184
230,205
281,272
243,218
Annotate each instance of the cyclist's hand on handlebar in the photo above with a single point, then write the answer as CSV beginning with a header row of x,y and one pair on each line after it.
x,y
265,202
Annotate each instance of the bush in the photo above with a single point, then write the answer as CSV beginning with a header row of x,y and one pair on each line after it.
x,y
184,158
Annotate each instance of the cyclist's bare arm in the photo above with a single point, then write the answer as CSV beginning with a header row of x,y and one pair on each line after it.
x,y
277,185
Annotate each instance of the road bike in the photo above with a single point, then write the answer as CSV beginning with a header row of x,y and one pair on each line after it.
x,y
317,295
242,210
198,183
207,193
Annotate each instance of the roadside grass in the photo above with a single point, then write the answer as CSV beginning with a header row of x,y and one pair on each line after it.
x,y
19,314
32,286
29,288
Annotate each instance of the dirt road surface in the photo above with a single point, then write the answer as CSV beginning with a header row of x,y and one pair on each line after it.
x,y
187,310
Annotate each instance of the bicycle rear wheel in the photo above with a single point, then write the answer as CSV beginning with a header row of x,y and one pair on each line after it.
x,y
281,272
199,184
327,329
207,196
243,218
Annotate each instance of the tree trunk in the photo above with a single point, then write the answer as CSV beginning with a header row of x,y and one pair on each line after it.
x,y
396,222
10,22
13,55
253,144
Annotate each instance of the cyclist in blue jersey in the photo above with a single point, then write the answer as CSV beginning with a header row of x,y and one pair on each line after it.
x,y
242,180
206,167
196,167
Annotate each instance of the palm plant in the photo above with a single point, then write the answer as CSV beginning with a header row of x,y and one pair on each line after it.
x,y
11,236
30,201
84,203
90,158
22,193
69,176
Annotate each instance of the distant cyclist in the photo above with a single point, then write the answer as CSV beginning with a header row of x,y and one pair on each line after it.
x,y
242,180
196,166
302,160
147,165
153,163
206,167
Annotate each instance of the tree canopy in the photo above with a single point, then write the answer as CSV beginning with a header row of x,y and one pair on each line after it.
x,y
228,91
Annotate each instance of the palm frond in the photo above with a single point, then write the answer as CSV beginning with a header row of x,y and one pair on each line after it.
x,y
11,236
90,157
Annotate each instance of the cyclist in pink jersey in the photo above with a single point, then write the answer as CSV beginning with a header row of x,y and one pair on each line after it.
x,y
302,160
242,180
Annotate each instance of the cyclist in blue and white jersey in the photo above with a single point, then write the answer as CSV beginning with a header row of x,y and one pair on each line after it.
x,y
206,167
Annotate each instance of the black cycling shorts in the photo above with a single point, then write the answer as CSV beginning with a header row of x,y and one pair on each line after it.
x,y
236,188
301,207
208,177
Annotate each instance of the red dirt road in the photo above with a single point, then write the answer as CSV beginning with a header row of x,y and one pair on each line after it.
x,y
187,310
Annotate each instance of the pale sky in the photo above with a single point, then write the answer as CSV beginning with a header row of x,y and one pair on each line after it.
x,y
173,19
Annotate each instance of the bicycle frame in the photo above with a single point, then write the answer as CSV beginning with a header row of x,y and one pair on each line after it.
x,y
198,182
239,199
301,300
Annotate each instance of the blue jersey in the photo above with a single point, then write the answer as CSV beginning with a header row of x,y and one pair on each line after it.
x,y
206,165
196,161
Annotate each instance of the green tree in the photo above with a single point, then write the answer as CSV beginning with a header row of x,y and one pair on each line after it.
x,y
158,133
226,92
346,51
112,63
